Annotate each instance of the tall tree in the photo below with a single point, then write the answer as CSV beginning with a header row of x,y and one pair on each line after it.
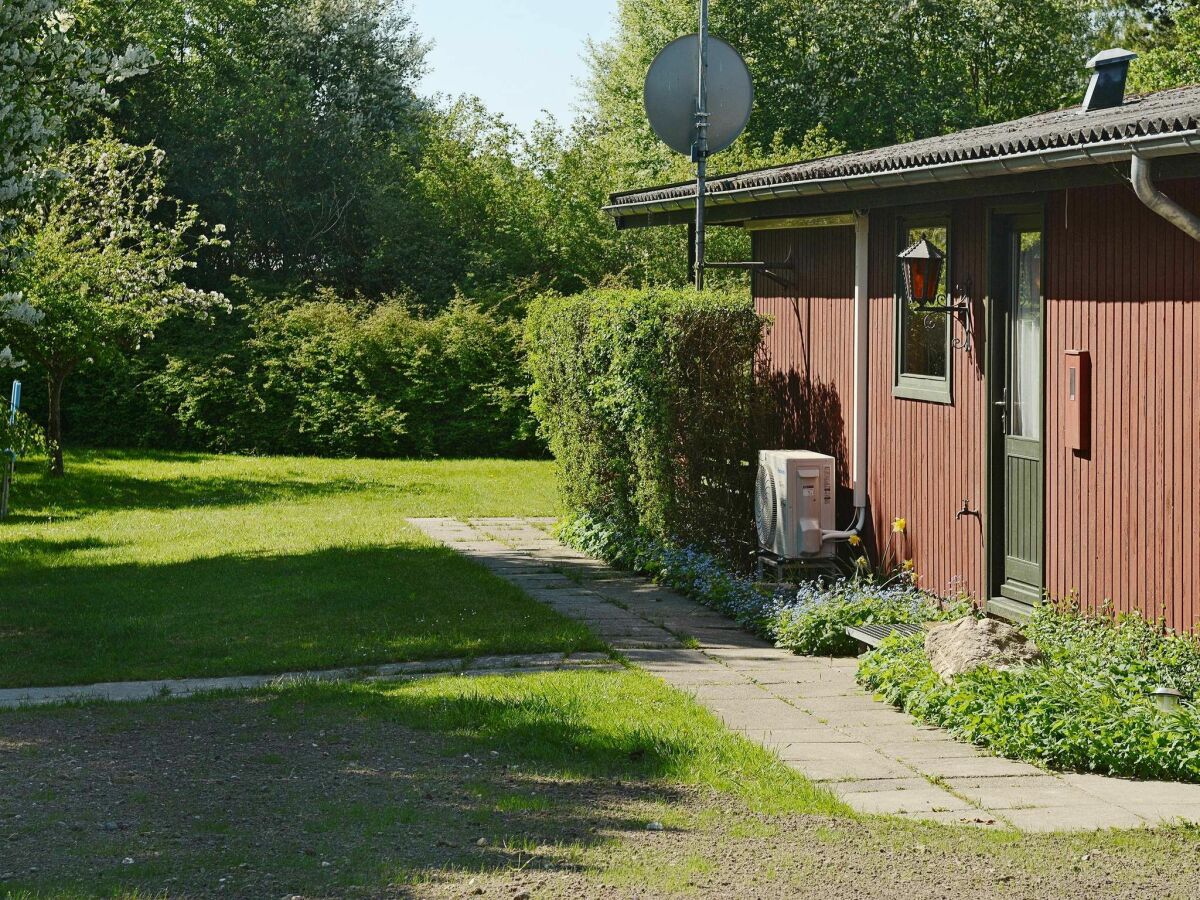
x,y
101,258
281,118
1170,49
871,72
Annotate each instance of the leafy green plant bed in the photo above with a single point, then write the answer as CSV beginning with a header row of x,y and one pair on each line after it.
x,y
1087,708
809,619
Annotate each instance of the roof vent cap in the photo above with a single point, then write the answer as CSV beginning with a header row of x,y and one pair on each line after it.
x,y
1107,88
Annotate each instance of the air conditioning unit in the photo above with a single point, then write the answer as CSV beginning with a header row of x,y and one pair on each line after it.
x,y
795,500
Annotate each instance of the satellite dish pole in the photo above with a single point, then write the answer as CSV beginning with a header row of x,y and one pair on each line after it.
x,y
700,147
698,96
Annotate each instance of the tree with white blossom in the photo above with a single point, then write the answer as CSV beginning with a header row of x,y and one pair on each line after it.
x,y
98,264
47,74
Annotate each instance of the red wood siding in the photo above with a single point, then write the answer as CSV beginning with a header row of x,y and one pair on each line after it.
x,y
1120,282
925,458
1121,520
810,345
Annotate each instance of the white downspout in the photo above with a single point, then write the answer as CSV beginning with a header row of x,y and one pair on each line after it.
x,y
1142,174
862,371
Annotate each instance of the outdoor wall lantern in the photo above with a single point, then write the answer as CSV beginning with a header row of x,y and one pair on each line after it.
x,y
922,266
1167,699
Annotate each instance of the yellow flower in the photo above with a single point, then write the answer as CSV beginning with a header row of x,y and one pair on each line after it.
x,y
907,565
861,562
855,540
899,525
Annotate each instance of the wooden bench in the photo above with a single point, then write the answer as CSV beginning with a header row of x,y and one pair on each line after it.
x,y
873,635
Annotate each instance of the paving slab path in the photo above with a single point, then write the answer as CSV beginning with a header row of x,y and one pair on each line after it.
x,y
809,710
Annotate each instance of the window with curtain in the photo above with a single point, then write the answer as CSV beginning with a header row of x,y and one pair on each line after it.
x,y
1026,337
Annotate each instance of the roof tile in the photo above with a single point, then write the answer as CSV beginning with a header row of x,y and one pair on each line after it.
x,y
1165,112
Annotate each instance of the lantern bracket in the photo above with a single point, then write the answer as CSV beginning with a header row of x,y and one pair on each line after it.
x,y
957,304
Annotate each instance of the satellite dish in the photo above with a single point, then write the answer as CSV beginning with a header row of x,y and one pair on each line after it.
x,y
670,94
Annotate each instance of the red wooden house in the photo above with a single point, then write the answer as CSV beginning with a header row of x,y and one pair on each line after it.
x,y
1041,437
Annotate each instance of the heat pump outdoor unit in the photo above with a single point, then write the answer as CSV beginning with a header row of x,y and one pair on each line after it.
x,y
795,500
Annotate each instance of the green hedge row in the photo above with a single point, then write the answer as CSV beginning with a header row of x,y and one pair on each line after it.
x,y
316,374
649,404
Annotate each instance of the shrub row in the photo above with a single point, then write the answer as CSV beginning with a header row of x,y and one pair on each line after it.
x,y
320,374
647,399
1087,708
809,619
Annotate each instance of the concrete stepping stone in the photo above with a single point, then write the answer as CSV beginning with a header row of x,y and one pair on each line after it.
x,y
921,798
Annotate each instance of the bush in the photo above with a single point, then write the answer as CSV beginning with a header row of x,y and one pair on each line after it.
x,y
815,620
809,620
336,378
648,401
320,374
1087,708
20,436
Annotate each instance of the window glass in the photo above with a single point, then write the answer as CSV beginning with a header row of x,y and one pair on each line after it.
x,y
924,336
1026,338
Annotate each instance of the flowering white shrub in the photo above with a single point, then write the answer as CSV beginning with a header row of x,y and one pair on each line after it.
x,y
98,260
15,308
46,73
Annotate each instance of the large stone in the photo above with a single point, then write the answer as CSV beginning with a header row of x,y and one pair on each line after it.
x,y
957,647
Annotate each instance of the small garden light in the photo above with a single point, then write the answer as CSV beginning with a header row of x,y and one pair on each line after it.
x,y
921,266
1167,699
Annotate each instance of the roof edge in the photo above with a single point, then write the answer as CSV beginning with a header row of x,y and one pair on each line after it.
x,y
1172,144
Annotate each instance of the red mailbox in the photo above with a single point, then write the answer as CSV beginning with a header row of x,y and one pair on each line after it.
x,y
1077,400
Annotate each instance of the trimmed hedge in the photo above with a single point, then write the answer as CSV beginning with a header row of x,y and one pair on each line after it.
x,y
648,401
319,374
1087,708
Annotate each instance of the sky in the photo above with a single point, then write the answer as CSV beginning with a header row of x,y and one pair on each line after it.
x,y
519,56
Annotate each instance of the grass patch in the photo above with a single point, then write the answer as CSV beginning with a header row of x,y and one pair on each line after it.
x,y
579,725
675,876
458,775
442,763
139,566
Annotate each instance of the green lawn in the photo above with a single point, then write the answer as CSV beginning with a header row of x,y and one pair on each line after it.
x,y
574,726
344,790
540,785
166,565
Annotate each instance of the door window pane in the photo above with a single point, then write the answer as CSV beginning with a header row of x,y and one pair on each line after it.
x,y
1025,375
923,336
